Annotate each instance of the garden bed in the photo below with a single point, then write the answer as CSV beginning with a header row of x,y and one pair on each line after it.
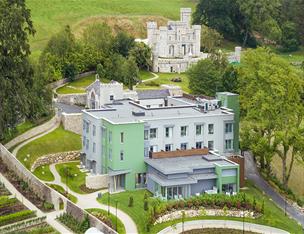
x,y
217,231
62,191
23,187
77,227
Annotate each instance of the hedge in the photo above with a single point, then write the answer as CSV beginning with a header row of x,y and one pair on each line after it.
x,y
18,216
6,201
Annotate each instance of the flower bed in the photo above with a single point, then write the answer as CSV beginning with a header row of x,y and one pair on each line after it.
x,y
214,205
76,226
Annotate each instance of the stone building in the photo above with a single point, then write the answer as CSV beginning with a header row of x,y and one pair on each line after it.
x,y
175,46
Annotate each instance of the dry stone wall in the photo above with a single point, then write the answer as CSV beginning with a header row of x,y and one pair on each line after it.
x,y
56,158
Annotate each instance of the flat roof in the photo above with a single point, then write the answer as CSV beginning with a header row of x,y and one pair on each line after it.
x,y
122,112
187,164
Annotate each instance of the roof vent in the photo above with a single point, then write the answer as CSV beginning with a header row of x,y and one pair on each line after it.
x,y
138,113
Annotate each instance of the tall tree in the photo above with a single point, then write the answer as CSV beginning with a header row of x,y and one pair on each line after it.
x,y
272,109
123,43
130,72
142,54
15,70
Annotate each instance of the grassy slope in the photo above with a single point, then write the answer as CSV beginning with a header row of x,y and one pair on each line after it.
x,y
165,78
78,86
61,190
120,227
74,182
273,216
44,173
50,16
56,141
144,75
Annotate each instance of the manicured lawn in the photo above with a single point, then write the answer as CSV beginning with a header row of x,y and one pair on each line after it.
x,y
97,212
165,78
137,212
50,16
44,173
56,141
144,75
61,190
273,215
72,176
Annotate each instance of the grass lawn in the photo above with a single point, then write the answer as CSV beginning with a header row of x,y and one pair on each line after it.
x,y
165,78
44,173
56,141
144,75
72,176
297,56
136,212
61,190
120,227
273,216
50,16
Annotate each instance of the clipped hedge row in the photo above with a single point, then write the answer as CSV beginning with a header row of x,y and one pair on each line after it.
x,y
22,224
6,201
15,217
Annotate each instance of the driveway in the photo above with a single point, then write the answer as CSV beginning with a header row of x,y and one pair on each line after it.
x,y
252,174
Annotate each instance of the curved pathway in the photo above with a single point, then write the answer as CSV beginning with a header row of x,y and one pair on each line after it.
x,y
199,224
253,174
86,201
155,76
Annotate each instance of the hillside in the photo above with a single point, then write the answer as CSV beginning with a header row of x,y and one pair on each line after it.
x,y
49,16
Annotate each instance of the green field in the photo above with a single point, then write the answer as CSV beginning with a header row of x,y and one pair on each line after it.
x,y
44,173
56,141
50,16
144,75
165,78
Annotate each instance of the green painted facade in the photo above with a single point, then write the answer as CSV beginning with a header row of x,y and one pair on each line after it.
x,y
133,157
231,101
221,180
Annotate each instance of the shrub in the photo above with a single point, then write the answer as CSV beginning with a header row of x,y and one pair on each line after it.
x,y
15,217
146,206
130,201
48,206
300,202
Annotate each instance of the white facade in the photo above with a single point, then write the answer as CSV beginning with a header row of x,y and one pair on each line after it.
x,y
175,46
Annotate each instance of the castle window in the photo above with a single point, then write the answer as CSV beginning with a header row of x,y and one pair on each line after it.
x,y
111,97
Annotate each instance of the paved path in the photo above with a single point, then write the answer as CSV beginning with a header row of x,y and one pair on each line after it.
x,y
50,217
253,174
155,76
198,224
86,201
52,128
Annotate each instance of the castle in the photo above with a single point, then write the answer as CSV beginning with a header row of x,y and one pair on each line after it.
x,y
175,46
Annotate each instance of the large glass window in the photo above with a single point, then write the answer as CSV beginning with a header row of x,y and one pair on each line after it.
x,y
110,154
210,145
184,146
87,145
228,127
110,136
199,145
168,147
169,132
153,133
94,147
184,131
210,128
153,148
94,130
228,144
121,137
199,129
146,134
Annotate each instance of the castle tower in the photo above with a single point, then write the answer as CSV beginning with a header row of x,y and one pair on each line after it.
x,y
185,15
151,32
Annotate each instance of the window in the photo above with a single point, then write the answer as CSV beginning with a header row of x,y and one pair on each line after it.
x,y
228,127
199,129
184,146
87,145
84,141
153,133
111,97
146,152
121,137
183,130
94,130
146,134
87,127
168,132
140,180
83,125
210,128
110,154
121,155
160,105
228,144
110,136
94,147
153,148
199,145
168,147
210,145
148,106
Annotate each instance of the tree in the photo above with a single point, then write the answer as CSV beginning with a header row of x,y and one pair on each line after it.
x,y
272,109
290,41
210,39
123,43
142,54
69,71
17,81
130,72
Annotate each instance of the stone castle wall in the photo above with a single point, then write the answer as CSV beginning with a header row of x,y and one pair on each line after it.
x,y
56,158
73,99
72,122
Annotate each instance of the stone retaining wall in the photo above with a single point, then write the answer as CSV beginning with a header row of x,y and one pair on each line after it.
x,y
73,99
56,158
80,214
97,181
72,122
